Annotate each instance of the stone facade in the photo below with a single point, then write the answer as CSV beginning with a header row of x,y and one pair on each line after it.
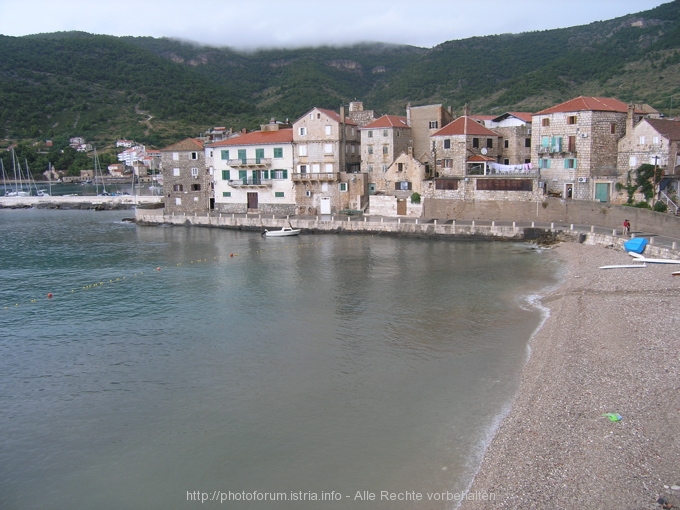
x,y
327,156
381,142
575,147
515,130
187,182
253,172
424,122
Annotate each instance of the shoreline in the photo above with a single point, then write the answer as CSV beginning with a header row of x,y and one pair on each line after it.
x,y
609,345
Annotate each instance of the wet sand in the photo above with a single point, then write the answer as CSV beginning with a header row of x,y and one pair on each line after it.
x,y
610,345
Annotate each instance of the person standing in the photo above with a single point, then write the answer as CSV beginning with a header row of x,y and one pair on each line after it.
x,y
626,227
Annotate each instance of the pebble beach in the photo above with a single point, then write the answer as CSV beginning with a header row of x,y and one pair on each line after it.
x,y
596,420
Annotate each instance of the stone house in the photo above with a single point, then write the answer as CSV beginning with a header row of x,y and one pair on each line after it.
x,y
327,163
575,146
404,177
515,130
381,142
253,172
655,142
424,122
187,182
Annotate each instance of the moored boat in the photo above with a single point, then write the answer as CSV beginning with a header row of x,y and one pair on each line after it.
x,y
285,231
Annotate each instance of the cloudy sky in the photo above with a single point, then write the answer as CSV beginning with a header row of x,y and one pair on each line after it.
x,y
250,24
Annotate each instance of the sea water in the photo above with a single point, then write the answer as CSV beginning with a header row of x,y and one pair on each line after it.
x,y
178,367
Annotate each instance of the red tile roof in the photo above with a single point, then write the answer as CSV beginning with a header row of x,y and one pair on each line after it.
x,y
479,158
464,126
188,144
387,121
588,103
669,129
336,116
258,138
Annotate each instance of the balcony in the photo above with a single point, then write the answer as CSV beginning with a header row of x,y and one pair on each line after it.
x,y
250,163
318,177
250,182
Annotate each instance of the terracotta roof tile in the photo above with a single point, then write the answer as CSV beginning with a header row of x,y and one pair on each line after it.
x,y
258,138
336,116
464,126
588,103
188,144
387,121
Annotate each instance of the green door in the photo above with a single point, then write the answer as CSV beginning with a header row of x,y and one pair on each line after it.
x,y
602,192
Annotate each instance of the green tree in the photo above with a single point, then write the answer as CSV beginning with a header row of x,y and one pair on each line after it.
x,y
647,178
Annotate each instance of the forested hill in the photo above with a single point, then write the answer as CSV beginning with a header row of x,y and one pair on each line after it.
x,y
160,90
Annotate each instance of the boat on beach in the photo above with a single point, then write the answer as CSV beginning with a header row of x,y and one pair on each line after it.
x,y
285,231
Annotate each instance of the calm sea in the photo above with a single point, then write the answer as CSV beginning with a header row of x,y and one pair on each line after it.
x,y
177,364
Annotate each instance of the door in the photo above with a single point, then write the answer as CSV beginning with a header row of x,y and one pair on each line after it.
x,y
252,200
325,205
401,207
602,191
569,190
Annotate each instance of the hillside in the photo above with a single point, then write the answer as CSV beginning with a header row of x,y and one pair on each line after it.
x,y
159,90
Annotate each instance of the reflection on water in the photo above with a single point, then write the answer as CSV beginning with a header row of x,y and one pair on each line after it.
x,y
189,359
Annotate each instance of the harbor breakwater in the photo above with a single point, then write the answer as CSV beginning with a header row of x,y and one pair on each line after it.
x,y
112,202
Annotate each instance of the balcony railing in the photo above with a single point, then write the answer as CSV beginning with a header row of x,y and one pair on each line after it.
x,y
320,177
250,162
238,183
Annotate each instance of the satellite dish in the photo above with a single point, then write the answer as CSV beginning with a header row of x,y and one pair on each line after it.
x,y
484,151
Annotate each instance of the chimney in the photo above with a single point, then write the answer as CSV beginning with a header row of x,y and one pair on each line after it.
x,y
408,114
630,121
342,114
466,110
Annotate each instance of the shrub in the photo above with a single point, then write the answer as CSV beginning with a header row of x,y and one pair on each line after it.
x,y
415,198
660,207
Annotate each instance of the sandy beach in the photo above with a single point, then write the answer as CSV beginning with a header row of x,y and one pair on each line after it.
x,y
610,345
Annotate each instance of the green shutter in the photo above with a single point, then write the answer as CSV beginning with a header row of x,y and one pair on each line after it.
x,y
285,174
242,155
259,154
226,193
545,141
575,162
242,175
278,152
225,175
225,155
278,194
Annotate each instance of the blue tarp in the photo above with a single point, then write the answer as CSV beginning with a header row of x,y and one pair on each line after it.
x,y
636,245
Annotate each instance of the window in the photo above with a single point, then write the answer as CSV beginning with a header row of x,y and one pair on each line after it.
x,y
302,131
175,172
489,143
402,185
302,150
475,143
243,175
226,194
655,140
370,134
224,155
543,163
384,168
175,156
572,144
259,155
571,119
385,133
527,142
545,122
354,149
342,186
302,169
370,168
446,184
328,168
370,149
225,175
195,187
506,144
278,152
178,187
194,155
316,168
242,155
506,161
612,128
570,163
642,140
279,174
386,149
278,194
329,131
400,167
434,124
194,172
545,141
178,201
447,143
447,163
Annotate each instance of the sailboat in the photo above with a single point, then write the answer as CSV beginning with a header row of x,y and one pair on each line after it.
x,y
42,192
18,188
98,168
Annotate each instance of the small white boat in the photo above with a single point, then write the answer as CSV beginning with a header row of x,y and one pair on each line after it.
x,y
285,231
